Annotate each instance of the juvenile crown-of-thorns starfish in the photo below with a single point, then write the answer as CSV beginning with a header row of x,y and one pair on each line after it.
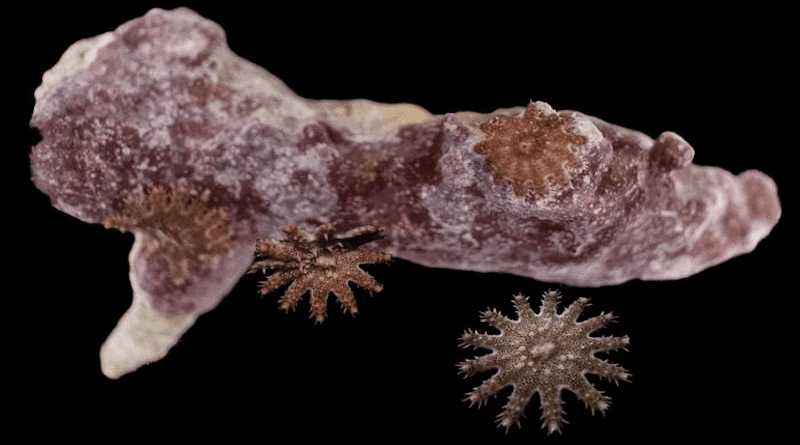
x,y
543,353
162,102
320,263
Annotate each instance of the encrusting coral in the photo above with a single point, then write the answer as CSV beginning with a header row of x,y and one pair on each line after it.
x,y
319,263
161,105
543,353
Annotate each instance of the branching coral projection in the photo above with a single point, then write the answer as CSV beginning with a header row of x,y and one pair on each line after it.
x,y
543,352
320,263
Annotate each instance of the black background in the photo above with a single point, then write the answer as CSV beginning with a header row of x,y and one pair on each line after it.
x,y
709,355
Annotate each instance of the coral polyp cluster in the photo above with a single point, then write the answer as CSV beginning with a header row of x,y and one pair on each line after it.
x,y
319,263
536,151
543,353
185,234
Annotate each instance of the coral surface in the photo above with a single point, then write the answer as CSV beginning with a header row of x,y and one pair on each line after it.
x,y
543,353
163,103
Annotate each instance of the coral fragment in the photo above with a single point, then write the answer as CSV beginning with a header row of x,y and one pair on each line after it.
x,y
554,195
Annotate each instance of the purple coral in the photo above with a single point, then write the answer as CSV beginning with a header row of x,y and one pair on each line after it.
x,y
163,102
543,353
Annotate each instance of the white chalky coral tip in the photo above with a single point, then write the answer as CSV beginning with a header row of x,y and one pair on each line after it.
x,y
143,335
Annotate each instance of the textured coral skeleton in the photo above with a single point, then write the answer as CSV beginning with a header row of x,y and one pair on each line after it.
x,y
543,353
319,263
554,195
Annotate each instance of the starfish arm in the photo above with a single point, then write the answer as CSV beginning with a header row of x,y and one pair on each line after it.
x,y
549,302
345,296
319,303
293,293
573,311
524,311
497,320
471,338
588,326
552,413
608,343
515,407
363,279
275,250
593,398
605,369
478,364
488,389
369,256
267,264
276,280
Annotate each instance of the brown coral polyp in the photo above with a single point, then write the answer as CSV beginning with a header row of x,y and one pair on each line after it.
x,y
185,233
533,152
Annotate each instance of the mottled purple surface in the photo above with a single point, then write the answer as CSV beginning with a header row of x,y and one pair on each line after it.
x,y
163,101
